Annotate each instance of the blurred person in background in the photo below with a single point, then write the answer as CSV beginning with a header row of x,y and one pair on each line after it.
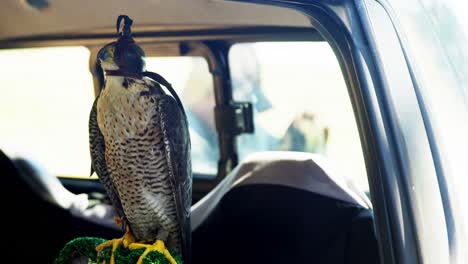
x,y
304,133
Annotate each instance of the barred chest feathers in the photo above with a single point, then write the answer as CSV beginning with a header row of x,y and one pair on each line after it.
x,y
135,155
122,111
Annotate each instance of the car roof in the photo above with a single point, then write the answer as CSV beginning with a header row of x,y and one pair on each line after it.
x,y
20,19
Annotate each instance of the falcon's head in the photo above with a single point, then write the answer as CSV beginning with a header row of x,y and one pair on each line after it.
x,y
123,55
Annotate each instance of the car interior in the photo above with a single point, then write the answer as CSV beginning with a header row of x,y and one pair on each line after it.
x,y
253,204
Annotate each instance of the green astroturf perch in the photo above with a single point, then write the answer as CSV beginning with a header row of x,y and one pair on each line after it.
x,y
140,150
84,249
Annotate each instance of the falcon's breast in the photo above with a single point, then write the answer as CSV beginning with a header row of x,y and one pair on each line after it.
x,y
128,115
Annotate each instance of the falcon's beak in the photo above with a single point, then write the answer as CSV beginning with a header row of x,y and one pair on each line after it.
x,y
106,54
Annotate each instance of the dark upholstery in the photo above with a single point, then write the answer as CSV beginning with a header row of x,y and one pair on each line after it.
x,y
277,224
35,229
253,223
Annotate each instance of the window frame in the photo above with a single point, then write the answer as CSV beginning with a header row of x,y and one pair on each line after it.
x,y
346,26
454,226
210,43
426,235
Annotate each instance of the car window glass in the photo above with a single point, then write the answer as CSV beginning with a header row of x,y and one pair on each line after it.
x,y
191,78
47,94
436,37
300,103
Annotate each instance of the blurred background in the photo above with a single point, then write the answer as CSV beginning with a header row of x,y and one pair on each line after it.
x,y
300,100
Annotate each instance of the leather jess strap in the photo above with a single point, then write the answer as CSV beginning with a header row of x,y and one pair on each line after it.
x,y
123,74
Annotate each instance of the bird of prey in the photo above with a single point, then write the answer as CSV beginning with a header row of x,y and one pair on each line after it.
x,y
140,150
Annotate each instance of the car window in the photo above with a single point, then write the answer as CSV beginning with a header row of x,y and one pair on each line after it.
x,y
436,37
301,103
192,80
45,103
47,94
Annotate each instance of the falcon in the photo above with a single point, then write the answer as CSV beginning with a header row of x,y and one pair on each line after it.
x,y
140,150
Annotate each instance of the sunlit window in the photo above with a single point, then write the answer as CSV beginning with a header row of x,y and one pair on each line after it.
x,y
193,82
299,96
437,42
301,103
46,95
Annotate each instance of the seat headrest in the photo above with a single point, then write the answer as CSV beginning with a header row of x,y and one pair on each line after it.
x,y
305,171
47,186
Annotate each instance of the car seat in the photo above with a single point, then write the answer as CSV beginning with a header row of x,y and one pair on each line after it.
x,y
284,207
39,215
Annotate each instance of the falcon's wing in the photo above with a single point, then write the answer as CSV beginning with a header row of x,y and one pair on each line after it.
x,y
98,160
176,137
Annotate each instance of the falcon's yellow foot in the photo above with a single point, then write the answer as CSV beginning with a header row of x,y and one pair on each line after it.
x,y
157,246
126,240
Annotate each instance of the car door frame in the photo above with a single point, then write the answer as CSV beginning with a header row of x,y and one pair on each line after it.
x,y
393,163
